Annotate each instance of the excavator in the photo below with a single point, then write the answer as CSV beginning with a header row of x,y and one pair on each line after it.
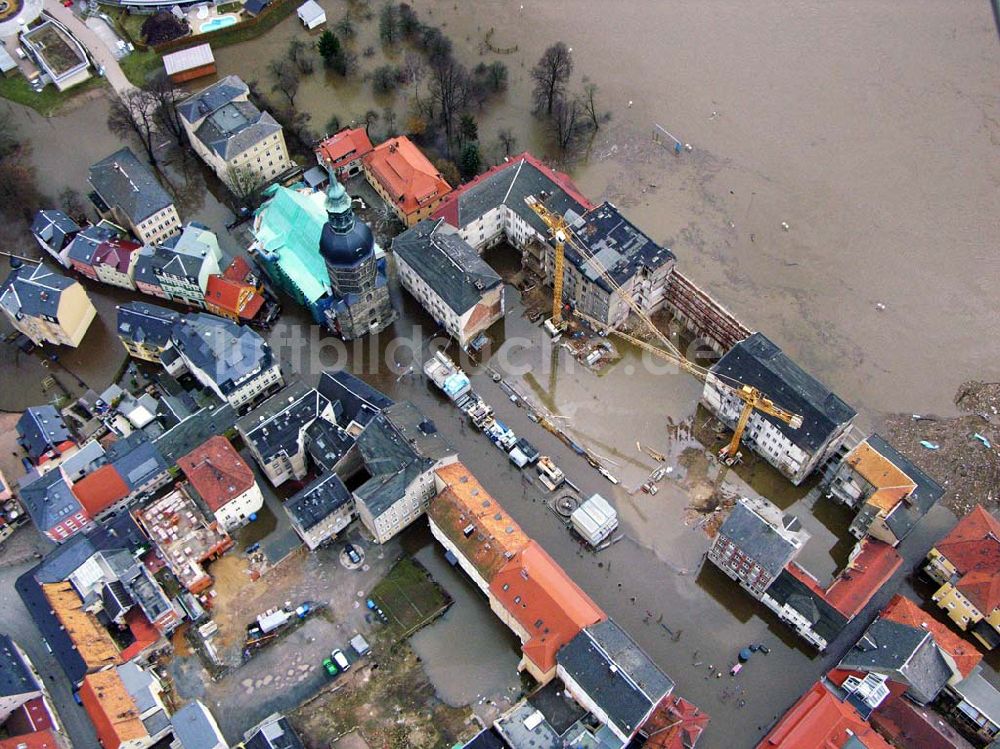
x,y
752,398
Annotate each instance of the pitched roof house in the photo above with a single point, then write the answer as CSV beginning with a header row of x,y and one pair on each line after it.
x,y
406,179
343,151
130,192
46,306
54,232
966,564
223,480
43,434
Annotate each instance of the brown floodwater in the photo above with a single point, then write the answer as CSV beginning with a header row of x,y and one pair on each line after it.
x,y
871,132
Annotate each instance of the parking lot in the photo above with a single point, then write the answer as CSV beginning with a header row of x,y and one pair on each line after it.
x,y
282,674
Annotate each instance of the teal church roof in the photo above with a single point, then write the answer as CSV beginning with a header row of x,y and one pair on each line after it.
x,y
288,229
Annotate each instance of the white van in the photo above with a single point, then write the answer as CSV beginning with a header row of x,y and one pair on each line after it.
x,y
340,659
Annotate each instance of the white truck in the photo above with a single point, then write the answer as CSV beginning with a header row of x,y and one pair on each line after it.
x,y
594,520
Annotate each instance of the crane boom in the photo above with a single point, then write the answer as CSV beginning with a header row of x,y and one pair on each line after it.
x,y
752,398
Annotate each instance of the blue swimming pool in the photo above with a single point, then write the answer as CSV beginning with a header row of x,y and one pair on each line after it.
x,y
219,22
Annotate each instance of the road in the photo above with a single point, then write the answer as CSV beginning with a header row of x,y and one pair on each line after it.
x,y
89,39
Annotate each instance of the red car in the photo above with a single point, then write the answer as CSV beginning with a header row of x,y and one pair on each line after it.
x,y
67,3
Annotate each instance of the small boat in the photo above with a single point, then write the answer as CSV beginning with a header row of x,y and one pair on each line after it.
x,y
745,654
736,669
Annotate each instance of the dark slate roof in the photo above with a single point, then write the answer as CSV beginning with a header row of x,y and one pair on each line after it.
x,y
757,539
121,180
396,447
359,400
327,443
33,290
274,426
182,254
758,362
825,620
40,429
136,459
54,228
909,652
446,263
228,352
49,500
144,263
317,501
235,127
193,727
911,510
485,739
15,676
116,599
254,7
277,734
208,100
87,242
617,244
188,434
615,673
146,323
509,185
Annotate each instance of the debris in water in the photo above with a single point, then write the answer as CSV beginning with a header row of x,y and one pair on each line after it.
x,y
879,306
982,439
930,445
784,225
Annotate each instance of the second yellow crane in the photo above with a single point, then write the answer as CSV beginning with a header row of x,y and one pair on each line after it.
x,y
751,397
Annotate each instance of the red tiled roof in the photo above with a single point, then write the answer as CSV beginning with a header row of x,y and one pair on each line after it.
x,y
100,489
39,740
908,725
402,169
854,587
674,724
973,547
115,252
111,709
33,716
449,208
145,634
904,611
217,472
821,721
235,297
547,604
344,147
238,270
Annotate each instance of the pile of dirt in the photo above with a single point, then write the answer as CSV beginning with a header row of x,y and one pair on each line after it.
x,y
960,453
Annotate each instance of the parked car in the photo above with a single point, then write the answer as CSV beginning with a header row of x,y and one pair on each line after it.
x,y
331,670
340,659
352,554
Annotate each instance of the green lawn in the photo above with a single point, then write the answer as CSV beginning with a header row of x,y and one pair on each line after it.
x,y
140,65
16,88
409,596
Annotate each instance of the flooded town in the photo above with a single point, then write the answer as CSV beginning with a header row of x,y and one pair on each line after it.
x,y
443,374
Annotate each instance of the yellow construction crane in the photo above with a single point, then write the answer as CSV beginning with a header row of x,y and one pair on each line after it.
x,y
753,399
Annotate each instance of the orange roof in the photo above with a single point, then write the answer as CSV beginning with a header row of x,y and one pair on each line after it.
x,y
494,539
238,269
344,147
37,740
92,641
866,573
904,611
547,604
100,489
235,297
891,484
111,709
145,634
402,169
821,721
973,547
217,472
674,724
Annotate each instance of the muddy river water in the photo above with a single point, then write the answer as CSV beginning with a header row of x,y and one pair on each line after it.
x,y
870,128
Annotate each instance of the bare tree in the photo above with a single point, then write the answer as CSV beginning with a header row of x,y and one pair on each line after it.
x,y
71,203
507,140
566,123
449,91
286,79
550,75
389,118
589,102
412,72
167,97
300,55
243,182
134,112
370,118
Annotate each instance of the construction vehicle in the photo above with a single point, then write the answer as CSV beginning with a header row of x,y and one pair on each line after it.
x,y
549,474
753,399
